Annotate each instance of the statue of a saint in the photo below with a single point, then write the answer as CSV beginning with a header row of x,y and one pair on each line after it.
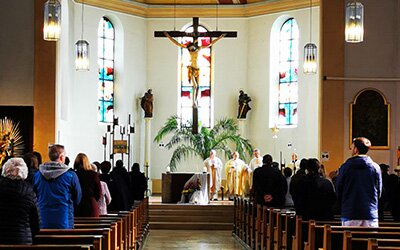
x,y
193,70
147,104
244,106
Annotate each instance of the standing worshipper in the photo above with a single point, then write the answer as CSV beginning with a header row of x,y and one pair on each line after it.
x,y
58,191
359,186
297,185
233,172
139,183
32,163
317,194
91,187
19,214
269,184
120,188
287,172
105,197
214,167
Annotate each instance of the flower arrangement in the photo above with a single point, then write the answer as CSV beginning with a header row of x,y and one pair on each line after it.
x,y
191,187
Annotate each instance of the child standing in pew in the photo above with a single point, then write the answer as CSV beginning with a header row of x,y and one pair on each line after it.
x,y
105,197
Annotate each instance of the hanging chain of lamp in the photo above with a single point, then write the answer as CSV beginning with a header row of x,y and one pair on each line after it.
x,y
310,52
354,32
82,51
52,20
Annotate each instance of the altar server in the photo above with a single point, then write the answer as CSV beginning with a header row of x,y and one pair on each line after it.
x,y
214,167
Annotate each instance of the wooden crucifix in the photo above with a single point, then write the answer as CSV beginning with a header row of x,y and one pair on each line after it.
x,y
193,49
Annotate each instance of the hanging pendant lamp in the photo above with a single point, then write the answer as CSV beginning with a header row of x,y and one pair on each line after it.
x,y
82,51
310,52
354,32
52,20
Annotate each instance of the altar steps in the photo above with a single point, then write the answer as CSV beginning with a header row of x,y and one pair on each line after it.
x,y
191,217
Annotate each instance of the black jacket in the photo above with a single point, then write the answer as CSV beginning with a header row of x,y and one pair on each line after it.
x,y
139,185
267,180
19,214
317,195
119,186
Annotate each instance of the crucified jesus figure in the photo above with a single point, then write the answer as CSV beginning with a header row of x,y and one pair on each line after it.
x,y
193,70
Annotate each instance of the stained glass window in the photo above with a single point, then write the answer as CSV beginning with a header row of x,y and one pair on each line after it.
x,y
204,93
288,73
106,43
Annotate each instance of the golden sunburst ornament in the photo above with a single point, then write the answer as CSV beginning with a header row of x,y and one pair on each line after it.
x,y
275,131
11,142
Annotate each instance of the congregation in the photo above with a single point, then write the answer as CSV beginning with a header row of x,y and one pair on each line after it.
x,y
359,191
36,196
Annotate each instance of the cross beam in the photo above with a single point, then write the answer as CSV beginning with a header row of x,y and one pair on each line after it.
x,y
196,34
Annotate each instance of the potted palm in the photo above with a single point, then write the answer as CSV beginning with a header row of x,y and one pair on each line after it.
x,y
186,144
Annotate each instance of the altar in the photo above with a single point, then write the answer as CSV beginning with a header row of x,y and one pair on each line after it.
x,y
173,183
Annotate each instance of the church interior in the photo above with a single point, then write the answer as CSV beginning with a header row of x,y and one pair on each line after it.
x,y
56,103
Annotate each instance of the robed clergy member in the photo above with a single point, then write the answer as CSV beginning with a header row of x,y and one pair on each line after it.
x,y
254,163
214,167
233,171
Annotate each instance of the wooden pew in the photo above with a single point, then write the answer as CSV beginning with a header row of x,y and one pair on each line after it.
x,y
284,229
113,226
92,221
93,240
105,232
46,247
335,237
382,244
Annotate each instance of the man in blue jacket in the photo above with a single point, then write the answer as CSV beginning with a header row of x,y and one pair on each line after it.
x,y
58,191
359,186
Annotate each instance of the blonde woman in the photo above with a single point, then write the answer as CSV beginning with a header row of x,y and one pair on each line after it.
x,y
91,188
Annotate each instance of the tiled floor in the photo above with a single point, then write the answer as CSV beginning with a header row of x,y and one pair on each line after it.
x,y
193,240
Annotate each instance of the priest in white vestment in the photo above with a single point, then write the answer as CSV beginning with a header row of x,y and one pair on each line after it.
x,y
254,163
214,167
233,171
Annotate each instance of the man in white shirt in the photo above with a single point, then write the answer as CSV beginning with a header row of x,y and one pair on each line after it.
x,y
214,167
254,163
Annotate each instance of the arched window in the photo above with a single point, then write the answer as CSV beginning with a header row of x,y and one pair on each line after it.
x,y
288,73
106,44
186,88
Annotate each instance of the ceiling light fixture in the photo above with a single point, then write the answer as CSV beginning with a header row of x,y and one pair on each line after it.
x,y
310,52
52,20
354,32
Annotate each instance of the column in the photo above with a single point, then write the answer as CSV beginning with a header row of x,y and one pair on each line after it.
x,y
147,145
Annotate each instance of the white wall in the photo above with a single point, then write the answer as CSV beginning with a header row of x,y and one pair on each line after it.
x,y
16,52
77,126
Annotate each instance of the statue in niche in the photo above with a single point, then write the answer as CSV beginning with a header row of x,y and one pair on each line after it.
x,y
244,106
147,104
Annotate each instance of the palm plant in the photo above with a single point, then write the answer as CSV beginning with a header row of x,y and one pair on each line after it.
x,y
187,144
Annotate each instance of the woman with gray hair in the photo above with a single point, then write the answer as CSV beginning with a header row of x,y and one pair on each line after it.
x,y
19,213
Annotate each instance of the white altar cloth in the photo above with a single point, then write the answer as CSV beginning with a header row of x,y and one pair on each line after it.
x,y
199,197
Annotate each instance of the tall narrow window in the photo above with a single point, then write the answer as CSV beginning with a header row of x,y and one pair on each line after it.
x,y
288,73
186,88
106,43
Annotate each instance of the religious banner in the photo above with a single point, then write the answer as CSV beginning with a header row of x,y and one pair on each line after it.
x,y
120,146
